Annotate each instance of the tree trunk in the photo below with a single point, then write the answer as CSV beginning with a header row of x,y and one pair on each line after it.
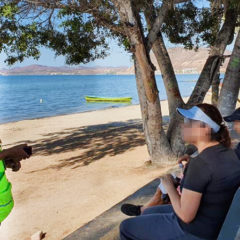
x,y
171,86
215,89
208,75
165,64
230,89
212,65
169,78
173,95
157,143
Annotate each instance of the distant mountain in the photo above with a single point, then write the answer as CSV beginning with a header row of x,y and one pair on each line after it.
x,y
184,61
47,70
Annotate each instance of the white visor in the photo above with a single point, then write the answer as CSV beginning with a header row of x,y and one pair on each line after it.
x,y
195,113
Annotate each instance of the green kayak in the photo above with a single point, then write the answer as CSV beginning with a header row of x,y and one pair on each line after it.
x,y
107,99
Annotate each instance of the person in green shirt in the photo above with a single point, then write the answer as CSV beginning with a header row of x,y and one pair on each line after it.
x,y
10,158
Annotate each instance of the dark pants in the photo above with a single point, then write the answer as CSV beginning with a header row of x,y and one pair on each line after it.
x,y
156,223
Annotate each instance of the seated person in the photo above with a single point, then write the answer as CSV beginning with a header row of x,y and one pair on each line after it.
x,y
160,198
210,182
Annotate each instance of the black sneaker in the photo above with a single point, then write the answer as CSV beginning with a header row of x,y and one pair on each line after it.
x,y
131,210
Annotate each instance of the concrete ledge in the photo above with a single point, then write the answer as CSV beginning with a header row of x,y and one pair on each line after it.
x,y
105,226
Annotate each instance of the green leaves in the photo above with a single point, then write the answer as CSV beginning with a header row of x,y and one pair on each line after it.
x,y
16,40
79,30
8,11
192,26
235,62
74,35
78,38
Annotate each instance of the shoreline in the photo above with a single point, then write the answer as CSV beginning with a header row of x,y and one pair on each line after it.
x,y
158,74
70,113
73,113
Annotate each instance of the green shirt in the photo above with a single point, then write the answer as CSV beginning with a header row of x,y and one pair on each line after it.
x,y
6,200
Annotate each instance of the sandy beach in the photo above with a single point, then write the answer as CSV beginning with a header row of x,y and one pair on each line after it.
x,y
82,165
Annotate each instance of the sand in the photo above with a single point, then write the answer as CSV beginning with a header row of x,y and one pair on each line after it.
x,y
83,164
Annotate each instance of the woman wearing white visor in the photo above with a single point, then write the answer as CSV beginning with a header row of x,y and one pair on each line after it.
x,y
209,185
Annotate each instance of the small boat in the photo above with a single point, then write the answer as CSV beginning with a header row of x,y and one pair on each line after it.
x,y
107,99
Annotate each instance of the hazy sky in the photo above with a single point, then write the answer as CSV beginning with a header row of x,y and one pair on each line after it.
x,y
117,57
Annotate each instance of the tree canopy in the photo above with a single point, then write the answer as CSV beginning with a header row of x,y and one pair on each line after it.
x,y
79,30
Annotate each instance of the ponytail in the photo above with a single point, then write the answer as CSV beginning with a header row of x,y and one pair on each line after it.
x,y
222,136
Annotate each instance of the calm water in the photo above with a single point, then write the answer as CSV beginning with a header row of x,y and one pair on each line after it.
x,y
20,95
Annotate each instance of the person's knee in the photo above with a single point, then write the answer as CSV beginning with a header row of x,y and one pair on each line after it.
x,y
123,225
123,229
147,211
158,209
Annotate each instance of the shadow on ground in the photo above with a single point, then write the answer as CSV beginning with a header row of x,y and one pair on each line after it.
x,y
95,142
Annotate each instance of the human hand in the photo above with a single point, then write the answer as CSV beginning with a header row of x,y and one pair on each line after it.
x,y
184,158
167,180
14,155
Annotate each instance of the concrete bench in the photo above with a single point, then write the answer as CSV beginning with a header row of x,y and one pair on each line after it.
x,y
106,226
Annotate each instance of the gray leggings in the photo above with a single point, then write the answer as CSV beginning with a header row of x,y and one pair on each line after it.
x,y
156,223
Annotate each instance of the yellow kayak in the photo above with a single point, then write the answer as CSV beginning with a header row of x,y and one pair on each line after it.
x,y
107,99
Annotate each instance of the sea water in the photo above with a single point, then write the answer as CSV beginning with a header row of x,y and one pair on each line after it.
x,y
29,97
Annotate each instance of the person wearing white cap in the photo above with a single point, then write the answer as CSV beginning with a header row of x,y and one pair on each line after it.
x,y
209,185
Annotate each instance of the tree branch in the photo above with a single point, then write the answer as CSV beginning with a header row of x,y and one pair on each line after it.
x,y
210,68
155,29
83,7
153,33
